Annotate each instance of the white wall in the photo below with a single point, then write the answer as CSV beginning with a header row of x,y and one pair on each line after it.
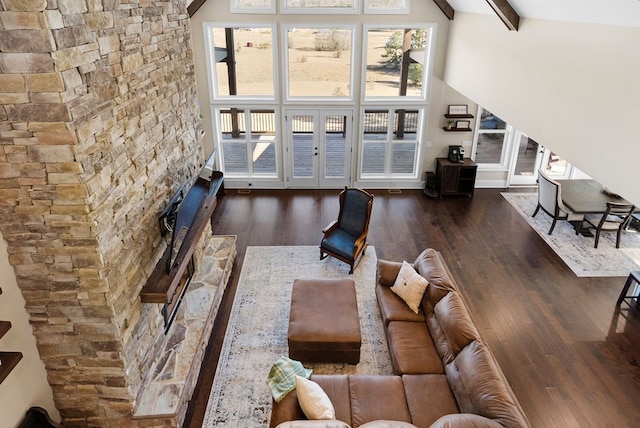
x,y
573,87
26,385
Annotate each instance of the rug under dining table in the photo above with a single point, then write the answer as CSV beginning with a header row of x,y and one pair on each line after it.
x,y
577,251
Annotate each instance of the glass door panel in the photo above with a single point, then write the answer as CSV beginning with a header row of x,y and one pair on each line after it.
x,y
263,142
304,149
336,150
527,160
319,148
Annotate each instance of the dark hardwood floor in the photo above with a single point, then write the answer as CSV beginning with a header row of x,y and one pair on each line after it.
x,y
570,356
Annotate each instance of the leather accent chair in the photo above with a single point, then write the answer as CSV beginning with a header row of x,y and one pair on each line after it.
x,y
550,200
346,237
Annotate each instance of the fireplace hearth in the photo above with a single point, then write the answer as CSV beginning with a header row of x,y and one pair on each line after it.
x,y
171,378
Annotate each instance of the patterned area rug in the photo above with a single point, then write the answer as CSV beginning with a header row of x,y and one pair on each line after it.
x,y
576,250
257,331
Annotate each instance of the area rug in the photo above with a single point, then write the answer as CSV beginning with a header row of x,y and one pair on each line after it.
x,y
576,250
257,332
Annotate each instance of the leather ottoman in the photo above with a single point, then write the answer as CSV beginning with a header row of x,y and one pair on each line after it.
x,y
324,326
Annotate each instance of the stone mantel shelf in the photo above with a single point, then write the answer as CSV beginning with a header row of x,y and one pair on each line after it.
x,y
195,211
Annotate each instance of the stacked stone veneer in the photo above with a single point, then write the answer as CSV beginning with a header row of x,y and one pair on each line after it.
x,y
98,128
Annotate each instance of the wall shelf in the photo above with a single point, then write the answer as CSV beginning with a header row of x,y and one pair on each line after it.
x,y
463,125
456,129
9,361
5,326
458,116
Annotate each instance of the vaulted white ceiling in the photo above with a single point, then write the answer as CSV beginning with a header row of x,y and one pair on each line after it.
x,y
611,12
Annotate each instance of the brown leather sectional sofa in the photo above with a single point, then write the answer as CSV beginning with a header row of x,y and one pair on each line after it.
x,y
445,375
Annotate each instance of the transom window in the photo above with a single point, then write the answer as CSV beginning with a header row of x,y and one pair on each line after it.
x,y
386,6
321,6
253,6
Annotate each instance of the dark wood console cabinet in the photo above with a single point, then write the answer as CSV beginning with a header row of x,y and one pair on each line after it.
x,y
454,178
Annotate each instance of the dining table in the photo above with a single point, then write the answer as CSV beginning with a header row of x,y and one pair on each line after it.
x,y
587,196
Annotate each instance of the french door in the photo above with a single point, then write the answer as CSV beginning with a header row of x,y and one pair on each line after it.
x,y
528,156
318,148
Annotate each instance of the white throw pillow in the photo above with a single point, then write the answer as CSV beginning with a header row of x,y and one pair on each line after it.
x,y
313,400
410,286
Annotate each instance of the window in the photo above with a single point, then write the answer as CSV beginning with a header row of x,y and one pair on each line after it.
x,y
253,6
386,6
396,62
319,62
234,54
390,142
248,141
490,139
271,65
319,6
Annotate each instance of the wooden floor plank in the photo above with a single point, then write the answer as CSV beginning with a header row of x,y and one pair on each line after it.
x,y
571,358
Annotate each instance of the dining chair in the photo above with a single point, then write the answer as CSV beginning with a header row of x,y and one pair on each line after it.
x,y
550,200
616,218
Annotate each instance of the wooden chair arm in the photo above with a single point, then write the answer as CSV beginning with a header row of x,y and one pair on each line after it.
x,y
330,227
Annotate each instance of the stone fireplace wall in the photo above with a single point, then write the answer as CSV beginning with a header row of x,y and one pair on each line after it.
x,y
99,127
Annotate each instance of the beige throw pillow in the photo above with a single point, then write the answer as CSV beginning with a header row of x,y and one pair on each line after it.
x,y
313,400
410,286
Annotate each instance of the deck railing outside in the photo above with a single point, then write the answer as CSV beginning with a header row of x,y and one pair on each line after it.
x,y
236,158
263,121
